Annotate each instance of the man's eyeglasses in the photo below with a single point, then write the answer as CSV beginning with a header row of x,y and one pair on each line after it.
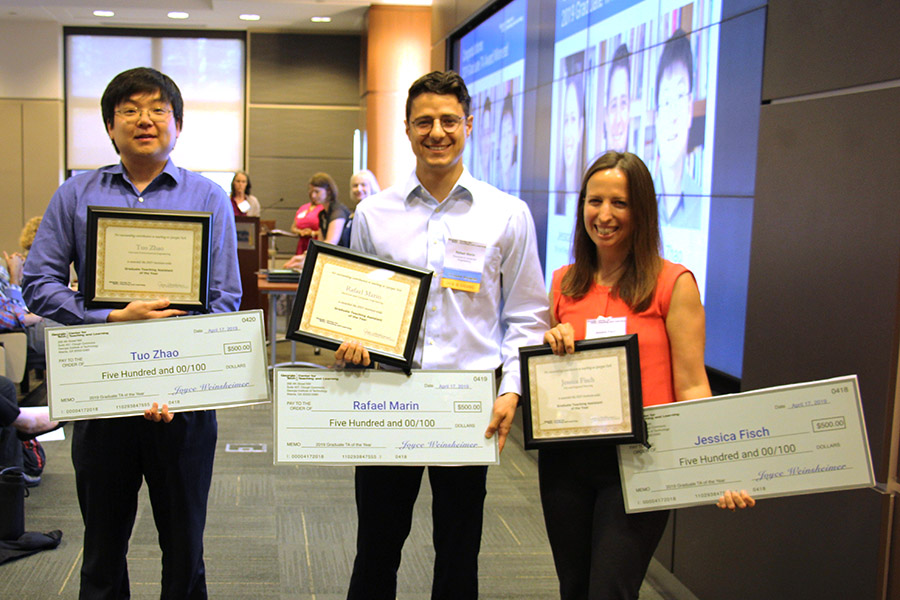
x,y
157,115
449,124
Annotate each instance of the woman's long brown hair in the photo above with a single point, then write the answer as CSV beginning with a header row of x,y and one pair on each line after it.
x,y
643,263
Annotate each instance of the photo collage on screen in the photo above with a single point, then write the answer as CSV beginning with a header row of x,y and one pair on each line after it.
x,y
636,76
492,61
556,83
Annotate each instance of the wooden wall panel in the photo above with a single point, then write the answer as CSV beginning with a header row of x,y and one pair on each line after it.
x,y
320,132
11,174
43,164
31,162
304,69
305,99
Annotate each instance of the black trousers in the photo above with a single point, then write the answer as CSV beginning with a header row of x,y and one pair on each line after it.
x,y
111,458
10,445
384,503
600,552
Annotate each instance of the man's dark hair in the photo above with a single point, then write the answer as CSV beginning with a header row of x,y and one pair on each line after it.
x,y
439,82
142,80
621,60
676,51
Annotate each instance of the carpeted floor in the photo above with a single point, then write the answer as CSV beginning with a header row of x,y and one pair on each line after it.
x,y
289,531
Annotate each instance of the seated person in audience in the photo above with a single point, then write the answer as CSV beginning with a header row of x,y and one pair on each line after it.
x,y
26,238
362,185
14,314
17,423
11,277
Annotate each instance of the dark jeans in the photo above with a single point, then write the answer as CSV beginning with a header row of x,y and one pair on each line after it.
x,y
111,458
10,445
600,552
384,503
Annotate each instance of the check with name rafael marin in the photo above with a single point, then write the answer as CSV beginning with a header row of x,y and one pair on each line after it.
x,y
782,441
379,417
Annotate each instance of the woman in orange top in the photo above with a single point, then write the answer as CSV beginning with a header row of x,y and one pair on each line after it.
x,y
599,550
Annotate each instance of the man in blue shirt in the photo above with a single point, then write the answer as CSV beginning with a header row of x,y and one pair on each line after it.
x,y
143,111
424,221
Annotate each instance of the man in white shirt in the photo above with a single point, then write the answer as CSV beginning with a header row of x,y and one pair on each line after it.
x,y
422,222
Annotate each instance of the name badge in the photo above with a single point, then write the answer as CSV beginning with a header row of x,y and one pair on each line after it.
x,y
463,265
604,327
244,206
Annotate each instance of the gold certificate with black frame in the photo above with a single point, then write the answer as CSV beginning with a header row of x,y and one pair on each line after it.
x,y
591,397
141,254
348,295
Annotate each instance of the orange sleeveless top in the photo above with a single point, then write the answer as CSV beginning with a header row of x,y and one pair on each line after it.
x,y
657,386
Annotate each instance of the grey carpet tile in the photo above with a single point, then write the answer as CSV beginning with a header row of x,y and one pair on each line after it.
x,y
314,525
289,531
242,489
234,525
249,560
324,496
293,560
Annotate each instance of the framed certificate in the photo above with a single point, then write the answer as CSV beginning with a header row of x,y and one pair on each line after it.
x,y
347,295
590,397
137,254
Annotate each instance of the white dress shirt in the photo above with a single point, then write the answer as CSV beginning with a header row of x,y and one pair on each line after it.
x,y
464,330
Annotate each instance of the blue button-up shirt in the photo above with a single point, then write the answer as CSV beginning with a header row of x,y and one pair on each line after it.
x,y
464,330
10,290
62,237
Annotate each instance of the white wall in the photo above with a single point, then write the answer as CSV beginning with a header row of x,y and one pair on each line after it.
x,y
31,102
31,63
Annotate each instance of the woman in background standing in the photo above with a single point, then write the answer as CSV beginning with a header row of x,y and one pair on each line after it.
x,y
306,221
241,201
334,214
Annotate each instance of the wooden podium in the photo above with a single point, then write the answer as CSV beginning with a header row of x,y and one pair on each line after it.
x,y
249,251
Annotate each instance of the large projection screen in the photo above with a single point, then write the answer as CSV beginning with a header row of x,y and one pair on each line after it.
x,y
676,82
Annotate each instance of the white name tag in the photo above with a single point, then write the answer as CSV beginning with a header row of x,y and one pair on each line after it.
x,y
602,327
463,265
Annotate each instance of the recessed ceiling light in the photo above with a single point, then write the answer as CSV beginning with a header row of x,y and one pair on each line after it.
x,y
321,19
178,15
104,13
249,17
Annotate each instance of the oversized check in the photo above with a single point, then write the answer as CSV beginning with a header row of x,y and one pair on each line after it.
x,y
781,441
374,417
189,363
